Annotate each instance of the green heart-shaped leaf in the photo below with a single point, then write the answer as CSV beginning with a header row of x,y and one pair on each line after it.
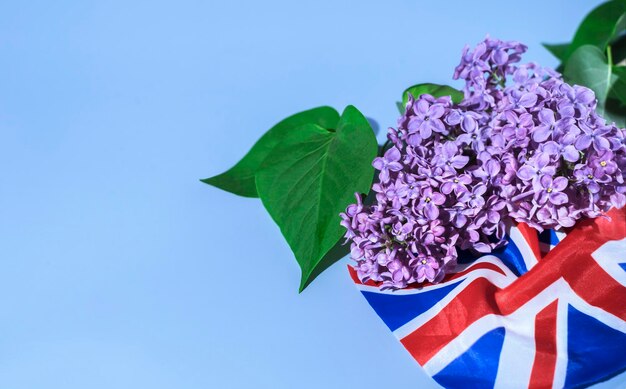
x,y
240,178
599,27
435,90
588,66
559,50
312,176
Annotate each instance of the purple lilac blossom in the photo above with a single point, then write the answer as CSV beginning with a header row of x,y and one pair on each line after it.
x,y
522,146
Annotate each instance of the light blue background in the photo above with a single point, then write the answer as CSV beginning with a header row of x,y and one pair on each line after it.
x,y
118,269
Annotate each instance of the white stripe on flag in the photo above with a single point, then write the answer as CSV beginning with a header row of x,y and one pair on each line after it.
x,y
527,253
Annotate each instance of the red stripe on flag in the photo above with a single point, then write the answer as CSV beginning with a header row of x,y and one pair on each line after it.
x,y
531,237
478,266
447,278
594,284
542,374
571,259
353,275
474,302
597,287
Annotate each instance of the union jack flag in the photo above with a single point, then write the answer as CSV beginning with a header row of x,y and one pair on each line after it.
x,y
534,314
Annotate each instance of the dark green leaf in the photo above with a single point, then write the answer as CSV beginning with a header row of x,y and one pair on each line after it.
x,y
588,66
618,48
310,177
615,111
240,178
619,87
559,50
435,90
339,250
599,27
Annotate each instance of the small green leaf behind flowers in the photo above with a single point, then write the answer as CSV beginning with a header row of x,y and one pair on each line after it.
x,y
559,50
435,90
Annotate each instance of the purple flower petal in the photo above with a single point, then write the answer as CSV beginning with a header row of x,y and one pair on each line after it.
x,y
393,154
558,198
559,184
583,142
526,172
395,166
601,144
541,133
528,100
459,161
546,116
570,153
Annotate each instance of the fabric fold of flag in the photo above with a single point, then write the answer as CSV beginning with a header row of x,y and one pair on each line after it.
x,y
547,310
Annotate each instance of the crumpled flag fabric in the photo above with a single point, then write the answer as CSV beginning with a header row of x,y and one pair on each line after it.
x,y
534,314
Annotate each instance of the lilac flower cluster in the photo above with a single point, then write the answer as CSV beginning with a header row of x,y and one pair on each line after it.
x,y
522,145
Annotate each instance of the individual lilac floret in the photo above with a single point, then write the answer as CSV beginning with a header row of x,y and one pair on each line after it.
x,y
523,145
388,163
